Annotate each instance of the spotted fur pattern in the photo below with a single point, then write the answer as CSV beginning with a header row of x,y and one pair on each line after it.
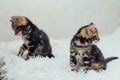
x,y
80,49
35,40
84,53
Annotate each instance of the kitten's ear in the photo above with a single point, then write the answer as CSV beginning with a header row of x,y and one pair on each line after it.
x,y
84,32
90,28
88,31
14,19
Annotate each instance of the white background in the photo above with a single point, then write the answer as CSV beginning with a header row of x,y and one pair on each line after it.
x,y
60,18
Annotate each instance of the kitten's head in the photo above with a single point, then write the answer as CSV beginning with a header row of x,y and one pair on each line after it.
x,y
17,23
89,32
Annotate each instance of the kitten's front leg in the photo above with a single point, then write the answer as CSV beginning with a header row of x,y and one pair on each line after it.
x,y
30,52
74,63
27,57
86,68
23,48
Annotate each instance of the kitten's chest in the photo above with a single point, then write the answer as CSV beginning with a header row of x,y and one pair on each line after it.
x,y
83,50
25,39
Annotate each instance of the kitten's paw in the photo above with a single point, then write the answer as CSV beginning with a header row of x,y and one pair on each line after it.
x,y
75,70
97,67
27,57
18,54
86,69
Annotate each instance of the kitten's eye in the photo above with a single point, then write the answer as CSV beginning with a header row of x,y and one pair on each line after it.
x,y
94,37
19,28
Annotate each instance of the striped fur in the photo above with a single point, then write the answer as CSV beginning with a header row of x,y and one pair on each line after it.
x,y
84,53
35,40
80,48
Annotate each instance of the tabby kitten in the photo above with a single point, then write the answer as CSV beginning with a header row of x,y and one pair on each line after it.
x,y
81,47
83,52
35,40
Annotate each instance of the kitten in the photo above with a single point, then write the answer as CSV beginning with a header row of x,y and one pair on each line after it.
x,y
35,40
81,46
83,52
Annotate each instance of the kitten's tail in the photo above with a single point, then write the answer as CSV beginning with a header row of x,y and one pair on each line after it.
x,y
50,55
49,52
110,59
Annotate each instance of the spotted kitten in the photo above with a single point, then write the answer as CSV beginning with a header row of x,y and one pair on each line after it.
x,y
35,40
83,52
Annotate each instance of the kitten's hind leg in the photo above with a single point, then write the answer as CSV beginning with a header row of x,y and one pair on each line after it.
x,y
49,52
97,66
